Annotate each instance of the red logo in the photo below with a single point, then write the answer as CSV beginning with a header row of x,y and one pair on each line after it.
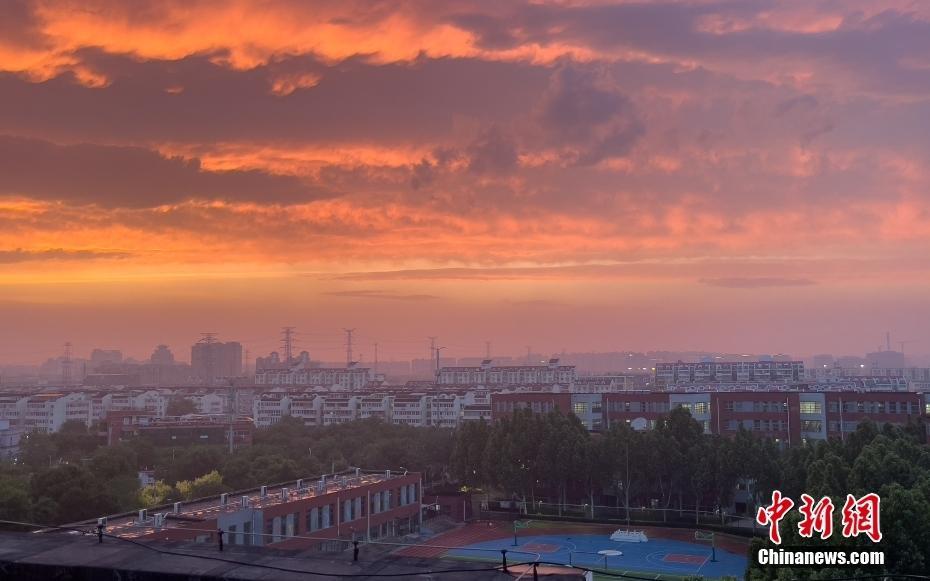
x,y
817,517
771,515
860,516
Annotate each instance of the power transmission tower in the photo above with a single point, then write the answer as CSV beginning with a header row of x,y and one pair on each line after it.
x,y
209,339
66,375
287,340
349,346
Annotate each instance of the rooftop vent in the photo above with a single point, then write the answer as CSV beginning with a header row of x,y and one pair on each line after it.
x,y
102,521
244,501
143,515
177,508
387,473
300,484
285,494
263,492
224,499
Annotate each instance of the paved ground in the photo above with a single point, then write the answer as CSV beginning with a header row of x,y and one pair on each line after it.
x,y
669,552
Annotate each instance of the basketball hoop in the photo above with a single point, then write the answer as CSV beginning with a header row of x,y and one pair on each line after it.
x,y
707,537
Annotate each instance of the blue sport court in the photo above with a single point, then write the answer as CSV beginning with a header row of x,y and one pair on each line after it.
x,y
661,557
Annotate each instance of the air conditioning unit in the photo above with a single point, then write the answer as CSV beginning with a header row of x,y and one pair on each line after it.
x,y
224,499
102,521
159,520
143,515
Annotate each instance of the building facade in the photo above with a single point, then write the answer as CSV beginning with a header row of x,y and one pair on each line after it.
x,y
680,372
306,515
789,417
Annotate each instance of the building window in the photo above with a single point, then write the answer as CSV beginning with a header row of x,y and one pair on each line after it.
x,y
811,425
700,407
811,407
728,406
580,408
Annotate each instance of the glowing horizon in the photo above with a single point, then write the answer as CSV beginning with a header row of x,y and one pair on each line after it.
x,y
588,175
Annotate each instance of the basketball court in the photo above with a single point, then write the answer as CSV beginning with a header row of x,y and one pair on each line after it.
x,y
663,558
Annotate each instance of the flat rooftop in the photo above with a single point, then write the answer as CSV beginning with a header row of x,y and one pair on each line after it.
x,y
39,556
192,512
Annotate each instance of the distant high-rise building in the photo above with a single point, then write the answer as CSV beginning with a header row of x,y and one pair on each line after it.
x,y
885,359
103,357
162,356
212,360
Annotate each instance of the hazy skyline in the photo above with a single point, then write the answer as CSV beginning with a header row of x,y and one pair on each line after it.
x,y
596,176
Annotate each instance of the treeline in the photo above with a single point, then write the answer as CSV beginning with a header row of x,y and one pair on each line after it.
x,y
679,468
71,475
892,462
553,458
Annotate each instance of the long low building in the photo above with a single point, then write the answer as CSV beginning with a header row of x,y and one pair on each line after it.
x,y
304,514
682,372
789,417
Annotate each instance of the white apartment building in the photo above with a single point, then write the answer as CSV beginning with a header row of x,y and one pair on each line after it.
x,y
306,407
338,409
210,403
729,372
411,410
152,401
10,436
47,412
269,408
13,408
603,384
445,410
350,378
480,412
489,375
380,406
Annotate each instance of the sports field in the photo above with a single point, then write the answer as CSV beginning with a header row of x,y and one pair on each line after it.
x,y
669,553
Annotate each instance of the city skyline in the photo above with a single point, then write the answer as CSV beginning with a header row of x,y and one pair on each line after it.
x,y
678,175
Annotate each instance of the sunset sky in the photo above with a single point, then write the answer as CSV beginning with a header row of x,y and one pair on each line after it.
x,y
738,175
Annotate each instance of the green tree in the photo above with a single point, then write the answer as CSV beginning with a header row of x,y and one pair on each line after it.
x,y
38,450
156,494
180,406
209,484
76,493
15,503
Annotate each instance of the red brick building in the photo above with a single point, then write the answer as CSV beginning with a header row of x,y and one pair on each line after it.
x,y
306,514
788,416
